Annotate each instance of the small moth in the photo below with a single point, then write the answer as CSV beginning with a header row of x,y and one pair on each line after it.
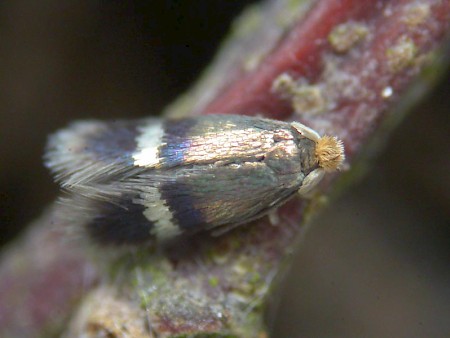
x,y
134,180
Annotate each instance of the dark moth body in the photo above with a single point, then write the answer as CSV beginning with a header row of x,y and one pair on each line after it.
x,y
138,179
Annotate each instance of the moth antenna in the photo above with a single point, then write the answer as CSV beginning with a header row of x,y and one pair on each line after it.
x,y
330,153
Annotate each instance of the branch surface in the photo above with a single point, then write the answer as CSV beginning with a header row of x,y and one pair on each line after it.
x,y
341,67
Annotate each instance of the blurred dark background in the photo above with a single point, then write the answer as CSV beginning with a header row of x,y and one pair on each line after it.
x,y
376,263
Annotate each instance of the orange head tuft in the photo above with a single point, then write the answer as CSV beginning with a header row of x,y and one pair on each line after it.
x,y
330,153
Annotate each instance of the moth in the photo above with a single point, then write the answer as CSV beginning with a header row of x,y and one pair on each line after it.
x,y
133,180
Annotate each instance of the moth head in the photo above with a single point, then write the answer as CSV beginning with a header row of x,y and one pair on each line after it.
x,y
329,150
328,153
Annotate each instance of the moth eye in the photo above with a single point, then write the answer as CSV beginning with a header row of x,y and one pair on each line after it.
x,y
311,180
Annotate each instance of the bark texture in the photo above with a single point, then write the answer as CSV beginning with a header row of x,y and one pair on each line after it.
x,y
344,68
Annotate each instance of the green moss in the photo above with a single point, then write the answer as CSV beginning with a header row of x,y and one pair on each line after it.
x,y
291,11
213,281
248,22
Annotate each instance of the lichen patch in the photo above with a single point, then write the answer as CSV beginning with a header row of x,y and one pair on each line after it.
x,y
416,13
345,36
402,54
305,98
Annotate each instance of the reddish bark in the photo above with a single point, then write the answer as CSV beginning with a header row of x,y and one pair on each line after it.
x,y
361,88
299,53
